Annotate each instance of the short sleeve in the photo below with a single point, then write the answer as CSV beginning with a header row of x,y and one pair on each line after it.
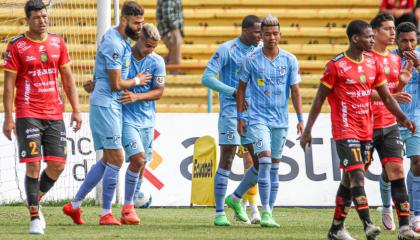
x,y
64,54
245,70
11,59
380,78
294,76
218,60
113,53
330,75
159,73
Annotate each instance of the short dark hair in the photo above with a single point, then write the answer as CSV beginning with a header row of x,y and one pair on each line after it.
x,y
131,8
249,21
377,21
405,27
356,27
34,5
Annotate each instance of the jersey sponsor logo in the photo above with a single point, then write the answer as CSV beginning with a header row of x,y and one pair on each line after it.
x,y
42,72
127,63
387,69
343,66
360,69
338,57
359,93
55,56
43,57
26,95
350,81
260,82
216,56
42,48
55,41
360,105
22,46
30,58
344,114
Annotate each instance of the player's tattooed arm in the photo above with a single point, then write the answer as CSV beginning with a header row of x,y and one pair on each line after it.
x,y
320,97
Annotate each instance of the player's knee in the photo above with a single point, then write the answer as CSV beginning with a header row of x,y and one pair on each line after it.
x,y
32,169
137,162
264,154
114,156
56,168
394,171
357,178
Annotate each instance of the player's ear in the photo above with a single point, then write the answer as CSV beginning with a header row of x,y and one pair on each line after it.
x,y
355,38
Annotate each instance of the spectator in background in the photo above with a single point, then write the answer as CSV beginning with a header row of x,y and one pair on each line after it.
x,y
402,10
417,15
170,22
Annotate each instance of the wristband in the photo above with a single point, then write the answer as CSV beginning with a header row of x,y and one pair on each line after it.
x,y
137,80
299,117
240,116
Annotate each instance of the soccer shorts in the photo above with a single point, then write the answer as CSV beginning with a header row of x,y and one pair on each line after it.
x,y
268,139
388,143
228,132
411,142
354,154
38,137
137,140
106,127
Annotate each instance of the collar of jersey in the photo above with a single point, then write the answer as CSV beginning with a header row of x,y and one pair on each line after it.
x,y
386,53
354,61
36,41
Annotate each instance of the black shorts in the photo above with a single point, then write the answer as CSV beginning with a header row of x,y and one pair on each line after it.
x,y
39,138
354,154
388,143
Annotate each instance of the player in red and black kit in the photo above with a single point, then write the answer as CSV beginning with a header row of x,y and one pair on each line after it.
x,y
386,135
32,62
348,81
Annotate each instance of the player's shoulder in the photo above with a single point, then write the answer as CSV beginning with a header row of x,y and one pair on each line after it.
x,y
286,54
156,58
55,37
254,54
226,46
17,38
338,57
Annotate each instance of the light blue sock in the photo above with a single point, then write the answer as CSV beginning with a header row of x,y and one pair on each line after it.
x,y
385,188
220,186
131,179
264,182
410,189
109,181
138,186
274,181
415,194
92,179
248,181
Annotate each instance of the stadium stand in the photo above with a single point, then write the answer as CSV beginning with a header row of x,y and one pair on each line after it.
x,y
313,30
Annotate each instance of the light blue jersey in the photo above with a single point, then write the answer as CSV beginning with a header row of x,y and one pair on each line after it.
x,y
113,53
142,113
226,62
269,82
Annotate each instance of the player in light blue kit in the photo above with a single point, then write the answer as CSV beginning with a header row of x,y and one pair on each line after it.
x,y
269,73
111,68
226,63
406,42
139,113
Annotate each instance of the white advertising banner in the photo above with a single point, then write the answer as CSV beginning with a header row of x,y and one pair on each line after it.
x,y
309,179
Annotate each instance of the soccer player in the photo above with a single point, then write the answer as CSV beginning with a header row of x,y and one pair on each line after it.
x,y
406,42
139,113
348,81
111,68
270,73
32,62
226,63
386,135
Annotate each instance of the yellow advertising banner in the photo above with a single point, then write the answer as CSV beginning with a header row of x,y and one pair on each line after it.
x,y
204,167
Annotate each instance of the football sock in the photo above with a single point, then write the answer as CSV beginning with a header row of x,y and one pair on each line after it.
x,y
45,184
131,179
361,204
248,181
342,207
274,181
264,182
110,181
32,189
92,179
410,189
385,188
138,186
220,186
400,197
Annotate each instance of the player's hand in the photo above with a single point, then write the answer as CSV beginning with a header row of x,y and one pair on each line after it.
x,y
241,128
145,78
406,72
411,55
76,121
300,127
9,126
88,86
402,97
128,97
305,140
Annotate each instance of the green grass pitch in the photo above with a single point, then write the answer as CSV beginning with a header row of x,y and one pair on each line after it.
x,y
180,223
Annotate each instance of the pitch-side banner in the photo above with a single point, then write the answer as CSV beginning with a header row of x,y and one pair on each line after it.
x,y
309,179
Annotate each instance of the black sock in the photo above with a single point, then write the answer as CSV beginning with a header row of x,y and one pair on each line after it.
x,y
342,207
45,184
361,204
400,197
32,189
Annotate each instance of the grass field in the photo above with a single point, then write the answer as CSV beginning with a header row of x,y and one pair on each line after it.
x,y
180,223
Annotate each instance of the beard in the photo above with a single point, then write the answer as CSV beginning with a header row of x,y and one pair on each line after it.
x,y
131,33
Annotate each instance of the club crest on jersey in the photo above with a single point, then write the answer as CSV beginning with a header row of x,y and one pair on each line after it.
x,y
160,80
117,139
230,135
260,82
216,56
115,56
133,145
43,57
362,79
282,70
258,142
387,70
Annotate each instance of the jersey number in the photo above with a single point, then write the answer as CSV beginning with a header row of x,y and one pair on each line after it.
x,y
33,145
357,154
